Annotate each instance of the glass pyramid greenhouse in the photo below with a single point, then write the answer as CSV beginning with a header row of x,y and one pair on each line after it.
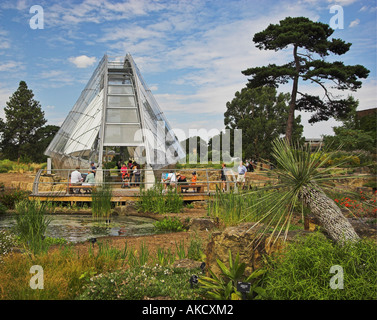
x,y
116,113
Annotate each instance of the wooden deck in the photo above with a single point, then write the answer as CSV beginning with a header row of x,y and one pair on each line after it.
x,y
119,195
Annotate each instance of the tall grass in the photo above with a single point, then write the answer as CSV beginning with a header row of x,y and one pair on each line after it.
x,y
31,224
156,201
233,208
101,202
302,271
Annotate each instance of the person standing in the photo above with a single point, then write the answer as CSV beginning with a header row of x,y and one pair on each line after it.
x,y
241,174
223,176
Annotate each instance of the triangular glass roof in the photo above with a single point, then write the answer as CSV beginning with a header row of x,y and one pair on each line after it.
x,y
116,109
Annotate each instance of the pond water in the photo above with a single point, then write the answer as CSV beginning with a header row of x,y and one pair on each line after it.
x,y
77,228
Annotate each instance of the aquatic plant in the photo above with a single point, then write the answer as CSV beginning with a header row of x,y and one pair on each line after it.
x,y
101,202
31,224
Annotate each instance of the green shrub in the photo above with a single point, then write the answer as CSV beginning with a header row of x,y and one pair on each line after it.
x,y
3,209
195,249
10,198
139,282
302,272
169,224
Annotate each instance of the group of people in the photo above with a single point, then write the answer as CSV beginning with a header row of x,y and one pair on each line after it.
x,y
173,178
241,170
130,173
78,179
250,165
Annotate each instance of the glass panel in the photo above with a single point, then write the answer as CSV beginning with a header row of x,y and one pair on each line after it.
x,y
121,116
119,81
121,101
123,133
121,90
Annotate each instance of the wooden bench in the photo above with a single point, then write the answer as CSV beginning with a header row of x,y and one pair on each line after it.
x,y
87,189
196,187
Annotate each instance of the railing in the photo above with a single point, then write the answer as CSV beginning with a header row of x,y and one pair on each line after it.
x,y
58,181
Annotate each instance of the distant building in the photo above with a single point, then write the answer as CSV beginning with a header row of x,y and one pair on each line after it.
x,y
314,143
367,112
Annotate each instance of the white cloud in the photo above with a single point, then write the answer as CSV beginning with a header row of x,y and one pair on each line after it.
x,y
82,61
8,66
342,2
354,23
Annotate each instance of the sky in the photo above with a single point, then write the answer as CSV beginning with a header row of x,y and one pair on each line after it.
x,y
190,53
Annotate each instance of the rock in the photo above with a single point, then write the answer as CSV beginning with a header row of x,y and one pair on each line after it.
x,y
187,264
126,210
239,239
364,229
201,224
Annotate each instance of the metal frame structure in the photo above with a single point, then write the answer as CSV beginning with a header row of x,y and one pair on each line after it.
x,y
115,110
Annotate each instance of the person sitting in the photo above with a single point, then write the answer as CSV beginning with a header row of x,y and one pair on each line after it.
x,y
181,179
90,179
76,179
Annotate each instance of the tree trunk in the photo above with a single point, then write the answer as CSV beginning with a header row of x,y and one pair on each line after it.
x,y
329,215
292,103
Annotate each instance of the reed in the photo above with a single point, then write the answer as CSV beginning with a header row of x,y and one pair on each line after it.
x,y
157,201
101,202
31,224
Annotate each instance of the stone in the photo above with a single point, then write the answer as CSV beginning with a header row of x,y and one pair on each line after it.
x,y
201,224
249,241
126,210
187,264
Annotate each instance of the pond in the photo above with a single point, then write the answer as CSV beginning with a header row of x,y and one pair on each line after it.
x,y
81,227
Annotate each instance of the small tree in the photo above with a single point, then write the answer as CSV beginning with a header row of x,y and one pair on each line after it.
x,y
311,38
24,117
262,115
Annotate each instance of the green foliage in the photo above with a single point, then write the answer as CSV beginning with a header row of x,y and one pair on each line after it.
x,y
3,209
350,140
310,47
31,224
139,282
262,115
302,272
172,224
224,287
195,249
24,117
101,201
157,201
10,198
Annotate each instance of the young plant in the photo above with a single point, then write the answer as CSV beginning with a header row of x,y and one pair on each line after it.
x,y
224,286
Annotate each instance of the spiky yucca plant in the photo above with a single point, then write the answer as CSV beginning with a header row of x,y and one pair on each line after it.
x,y
302,177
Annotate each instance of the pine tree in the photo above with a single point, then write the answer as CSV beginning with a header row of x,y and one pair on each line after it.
x,y
23,118
310,44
